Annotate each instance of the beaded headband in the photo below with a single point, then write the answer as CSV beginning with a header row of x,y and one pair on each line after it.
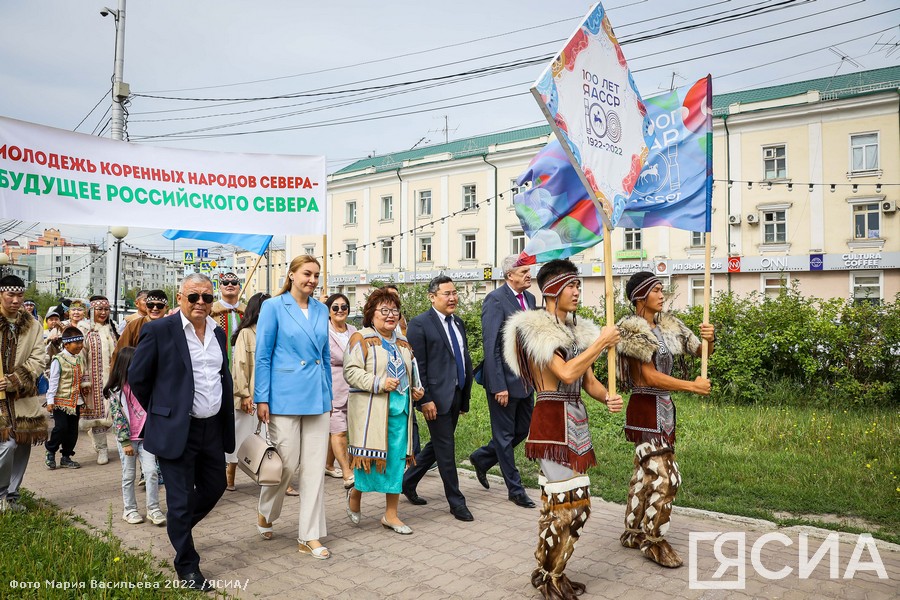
x,y
15,289
74,338
555,285
164,300
643,290
100,304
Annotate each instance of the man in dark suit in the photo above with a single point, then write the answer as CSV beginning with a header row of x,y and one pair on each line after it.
x,y
510,400
438,339
179,374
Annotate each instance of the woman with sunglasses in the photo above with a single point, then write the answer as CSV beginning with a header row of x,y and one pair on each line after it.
x,y
156,304
339,332
243,357
292,390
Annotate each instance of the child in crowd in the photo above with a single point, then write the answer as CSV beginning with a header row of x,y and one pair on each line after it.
x,y
128,417
67,384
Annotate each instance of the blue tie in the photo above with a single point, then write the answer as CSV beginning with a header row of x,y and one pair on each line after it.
x,y
457,354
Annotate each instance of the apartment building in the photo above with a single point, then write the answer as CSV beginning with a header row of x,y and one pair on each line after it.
x,y
807,186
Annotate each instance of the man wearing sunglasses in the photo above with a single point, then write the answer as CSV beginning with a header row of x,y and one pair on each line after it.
x,y
155,304
180,375
228,311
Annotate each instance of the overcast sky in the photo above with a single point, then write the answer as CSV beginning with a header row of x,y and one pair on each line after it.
x,y
56,61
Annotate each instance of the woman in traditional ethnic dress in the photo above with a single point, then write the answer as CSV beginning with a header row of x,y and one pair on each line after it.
x,y
339,332
554,353
384,383
243,356
99,345
651,339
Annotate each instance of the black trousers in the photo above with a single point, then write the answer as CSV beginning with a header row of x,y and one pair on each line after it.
x,y
441,449
194,483
509,427
64,433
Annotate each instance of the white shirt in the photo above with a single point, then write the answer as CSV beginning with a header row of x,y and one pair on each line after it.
x,y
53,382
206,363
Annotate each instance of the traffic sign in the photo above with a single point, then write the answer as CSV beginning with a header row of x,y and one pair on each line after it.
x,y
202,252
188,257
488,273
205,266
213,264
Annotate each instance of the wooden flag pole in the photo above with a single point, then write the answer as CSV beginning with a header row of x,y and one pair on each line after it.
x,y
610,304
704,356
249,276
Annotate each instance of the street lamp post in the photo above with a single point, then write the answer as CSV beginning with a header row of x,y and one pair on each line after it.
x,y
120,89
119,233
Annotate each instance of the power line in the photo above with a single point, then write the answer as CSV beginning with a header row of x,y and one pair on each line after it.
x,y
90,112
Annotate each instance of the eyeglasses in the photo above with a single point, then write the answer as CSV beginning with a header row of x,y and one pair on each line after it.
x,y
339,307
451,294
207,298
389,312
230,282
159,305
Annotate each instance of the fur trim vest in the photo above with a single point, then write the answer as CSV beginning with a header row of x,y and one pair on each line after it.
x,y
23,354
538,335
639,342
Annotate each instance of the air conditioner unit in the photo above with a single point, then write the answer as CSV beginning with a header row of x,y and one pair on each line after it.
x,y
889,206
734,219
753,219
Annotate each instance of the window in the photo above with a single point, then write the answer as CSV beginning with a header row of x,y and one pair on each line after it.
x,y
632,239
864,152
387,252
517,245
469,198
425,203
387,208
695,290
350,292
866,221
866,287
468,240
311,250
350,249
350,213
774,162
425,249
513,190
698,239
775,227
773,284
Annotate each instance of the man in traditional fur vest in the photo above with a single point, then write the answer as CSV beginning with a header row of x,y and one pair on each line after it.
x,y
554,354
23,423
228,312
651,339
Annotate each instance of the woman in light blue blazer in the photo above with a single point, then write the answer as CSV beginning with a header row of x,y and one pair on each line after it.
x,y
293,396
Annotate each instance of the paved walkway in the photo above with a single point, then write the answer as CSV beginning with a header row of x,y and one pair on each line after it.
x,y
488,559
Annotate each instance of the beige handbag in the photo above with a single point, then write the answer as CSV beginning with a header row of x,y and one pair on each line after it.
x,y
259,459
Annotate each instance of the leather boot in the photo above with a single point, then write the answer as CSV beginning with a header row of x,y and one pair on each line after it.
x,y
229,476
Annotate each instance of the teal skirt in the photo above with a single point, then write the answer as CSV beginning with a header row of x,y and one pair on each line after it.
x,y
391,481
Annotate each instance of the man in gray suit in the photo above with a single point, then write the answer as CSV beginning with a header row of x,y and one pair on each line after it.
x,y
510,401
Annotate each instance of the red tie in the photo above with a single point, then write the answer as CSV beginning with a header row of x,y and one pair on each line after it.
x,y
521,300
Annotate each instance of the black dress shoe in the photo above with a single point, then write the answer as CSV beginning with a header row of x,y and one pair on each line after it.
x,y
462,513
414,498
522,500
480,475
196,581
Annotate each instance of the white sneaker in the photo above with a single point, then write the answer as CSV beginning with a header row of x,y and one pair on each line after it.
x,y
133,517
157,517
102,456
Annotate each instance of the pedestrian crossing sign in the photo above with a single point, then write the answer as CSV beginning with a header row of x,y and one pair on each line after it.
x,y
188,257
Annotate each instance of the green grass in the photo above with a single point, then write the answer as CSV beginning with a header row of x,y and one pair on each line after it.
x,y
788,464
45,545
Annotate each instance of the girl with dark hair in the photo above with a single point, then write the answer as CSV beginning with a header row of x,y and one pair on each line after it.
x,y
128,418
244,356
651,339
339,332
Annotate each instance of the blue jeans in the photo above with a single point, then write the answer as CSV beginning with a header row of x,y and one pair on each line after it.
x,y
148,468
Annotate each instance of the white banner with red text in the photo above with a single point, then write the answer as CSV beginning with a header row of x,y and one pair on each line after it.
x,y
52,174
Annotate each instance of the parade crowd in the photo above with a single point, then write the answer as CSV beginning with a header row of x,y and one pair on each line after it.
x,y
182,387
